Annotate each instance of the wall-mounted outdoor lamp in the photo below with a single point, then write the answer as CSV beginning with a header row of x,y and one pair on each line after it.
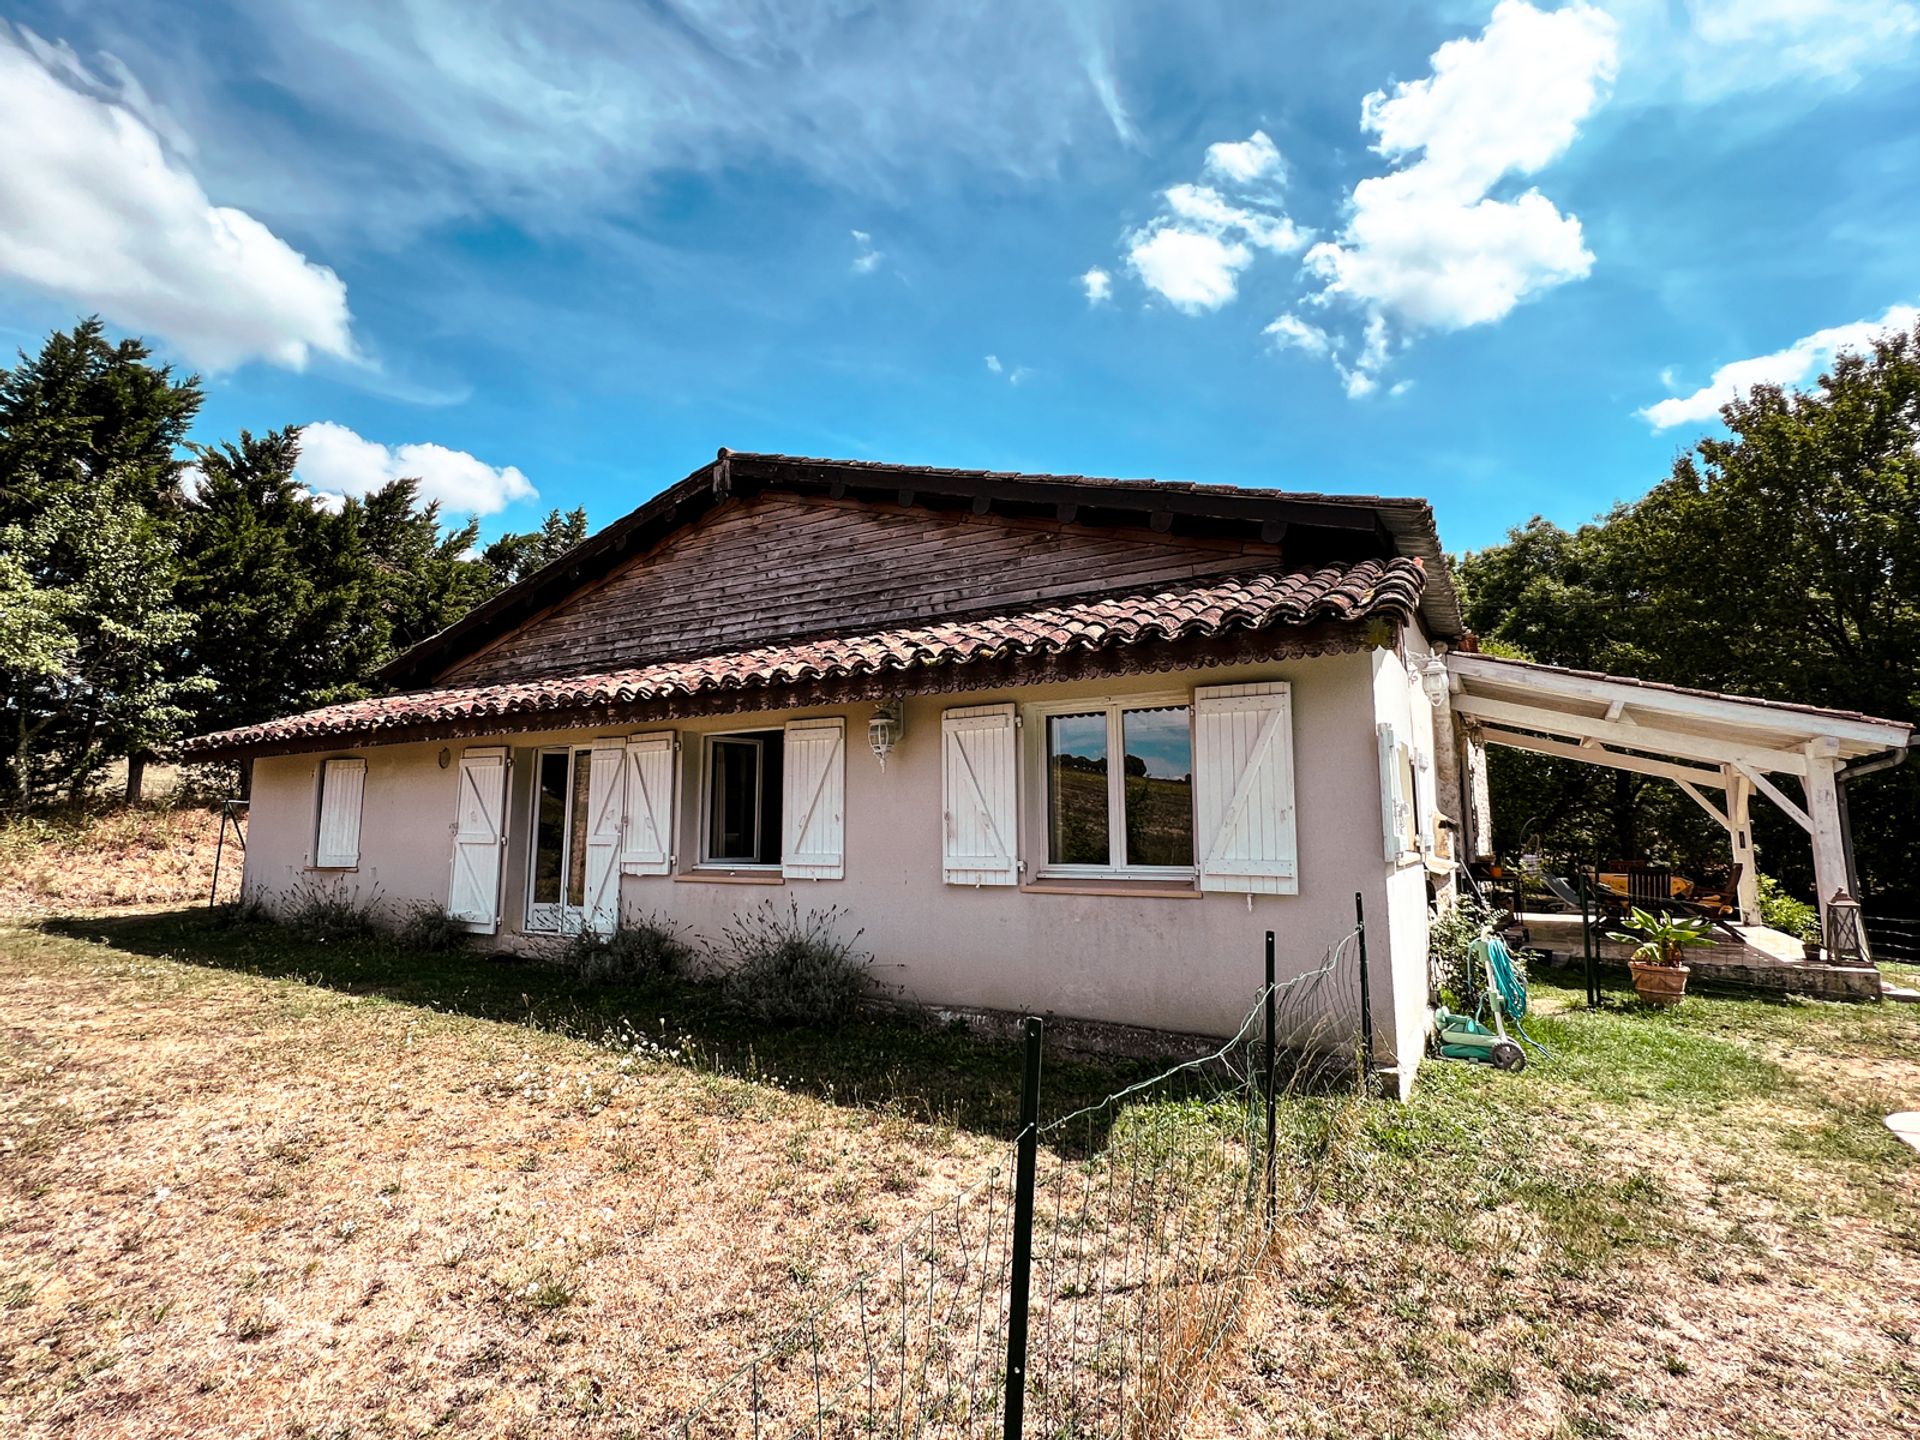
x,y
1434,680
886,729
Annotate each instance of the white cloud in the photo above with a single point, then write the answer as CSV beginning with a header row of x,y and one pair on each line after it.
x,y
1245,161
1290,332
559,119
1014,375
866,259
1193,252
335,461
1710,49
1194,270
1429,246
1098,285
95,211
1795,365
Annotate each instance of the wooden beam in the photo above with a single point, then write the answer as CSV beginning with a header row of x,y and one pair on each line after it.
x,y
1706,804
1612,759
1739,805
1774,793
1727,709
1670,743
1823,808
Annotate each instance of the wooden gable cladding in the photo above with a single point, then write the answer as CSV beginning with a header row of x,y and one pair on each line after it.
x,y
774,565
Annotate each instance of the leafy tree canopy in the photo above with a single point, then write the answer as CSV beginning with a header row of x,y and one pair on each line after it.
x,y
1781,560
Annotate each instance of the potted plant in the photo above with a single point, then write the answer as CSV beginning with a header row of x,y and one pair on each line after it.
x,y
1659,974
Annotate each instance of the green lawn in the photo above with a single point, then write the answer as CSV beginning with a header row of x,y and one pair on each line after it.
x,y
256,1185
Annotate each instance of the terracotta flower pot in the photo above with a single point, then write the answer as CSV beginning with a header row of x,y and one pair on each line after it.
x,y
1659,984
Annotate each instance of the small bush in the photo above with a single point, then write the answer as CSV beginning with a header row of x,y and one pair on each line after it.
x,y
249,907
1780,911
427,929
648,950
1450,940
783,968
326,913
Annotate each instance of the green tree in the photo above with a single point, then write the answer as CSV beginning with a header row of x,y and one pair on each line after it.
x,y
1781,560
89,638
85,411
512,558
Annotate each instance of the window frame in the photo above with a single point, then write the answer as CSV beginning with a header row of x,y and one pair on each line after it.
x,y
570,919
707,860
1035,720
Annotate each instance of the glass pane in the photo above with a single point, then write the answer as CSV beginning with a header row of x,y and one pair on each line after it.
x,y
1159,786
577,830
550,829
734,801
1077,789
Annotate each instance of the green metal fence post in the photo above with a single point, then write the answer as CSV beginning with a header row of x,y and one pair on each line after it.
x,y
1273,1067
1020,1284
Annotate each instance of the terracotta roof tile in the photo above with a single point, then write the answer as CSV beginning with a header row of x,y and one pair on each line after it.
x,y
1252,600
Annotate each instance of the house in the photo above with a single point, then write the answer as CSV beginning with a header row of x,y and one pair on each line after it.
x,y
1056,744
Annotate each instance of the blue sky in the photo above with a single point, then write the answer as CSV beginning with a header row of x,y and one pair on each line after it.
x,y
1507,257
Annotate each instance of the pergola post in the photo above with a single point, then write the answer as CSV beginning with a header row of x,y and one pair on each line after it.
x,y
1823,809
1740,832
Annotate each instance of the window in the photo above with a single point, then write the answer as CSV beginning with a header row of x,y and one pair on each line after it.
x,y
557,883
1406,820
337,824
743,794
1136,815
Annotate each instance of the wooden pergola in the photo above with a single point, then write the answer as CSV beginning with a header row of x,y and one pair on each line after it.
x,y
1706,743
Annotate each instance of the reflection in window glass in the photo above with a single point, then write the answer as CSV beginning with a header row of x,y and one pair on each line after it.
x,y
577,830
1159,786
734,802
1077,789
550,828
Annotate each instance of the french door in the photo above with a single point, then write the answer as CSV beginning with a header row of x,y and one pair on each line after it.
x,y
557,859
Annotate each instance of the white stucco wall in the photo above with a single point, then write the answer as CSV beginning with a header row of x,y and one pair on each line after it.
x,y
1400,700
1192,963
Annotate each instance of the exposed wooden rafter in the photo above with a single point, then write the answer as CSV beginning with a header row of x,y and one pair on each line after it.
x,y
1670,744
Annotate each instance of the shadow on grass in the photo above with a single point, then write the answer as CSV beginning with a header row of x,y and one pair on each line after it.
x,y
902,1065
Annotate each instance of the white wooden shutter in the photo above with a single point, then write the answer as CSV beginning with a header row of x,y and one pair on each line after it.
x,y
977,796
605,794
1243,784
647,846
479,835
342,785
1396,805
813,800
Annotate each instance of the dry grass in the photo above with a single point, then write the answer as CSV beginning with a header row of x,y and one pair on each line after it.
x,y
250,1186
239,1206
1684,1225
65,863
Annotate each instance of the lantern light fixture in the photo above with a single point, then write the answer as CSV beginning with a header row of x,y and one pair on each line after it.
x,y
886,729
1434,680
1846,933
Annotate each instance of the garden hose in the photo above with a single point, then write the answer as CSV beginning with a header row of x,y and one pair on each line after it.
x,y
1506,990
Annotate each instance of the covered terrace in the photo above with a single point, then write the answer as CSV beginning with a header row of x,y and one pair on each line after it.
x,y
1721,750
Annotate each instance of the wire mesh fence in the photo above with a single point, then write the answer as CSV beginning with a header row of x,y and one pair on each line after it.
x,y
1151,1211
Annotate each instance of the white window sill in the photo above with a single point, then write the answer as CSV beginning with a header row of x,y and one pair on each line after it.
x,y
1105,874
734,875
1114,885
